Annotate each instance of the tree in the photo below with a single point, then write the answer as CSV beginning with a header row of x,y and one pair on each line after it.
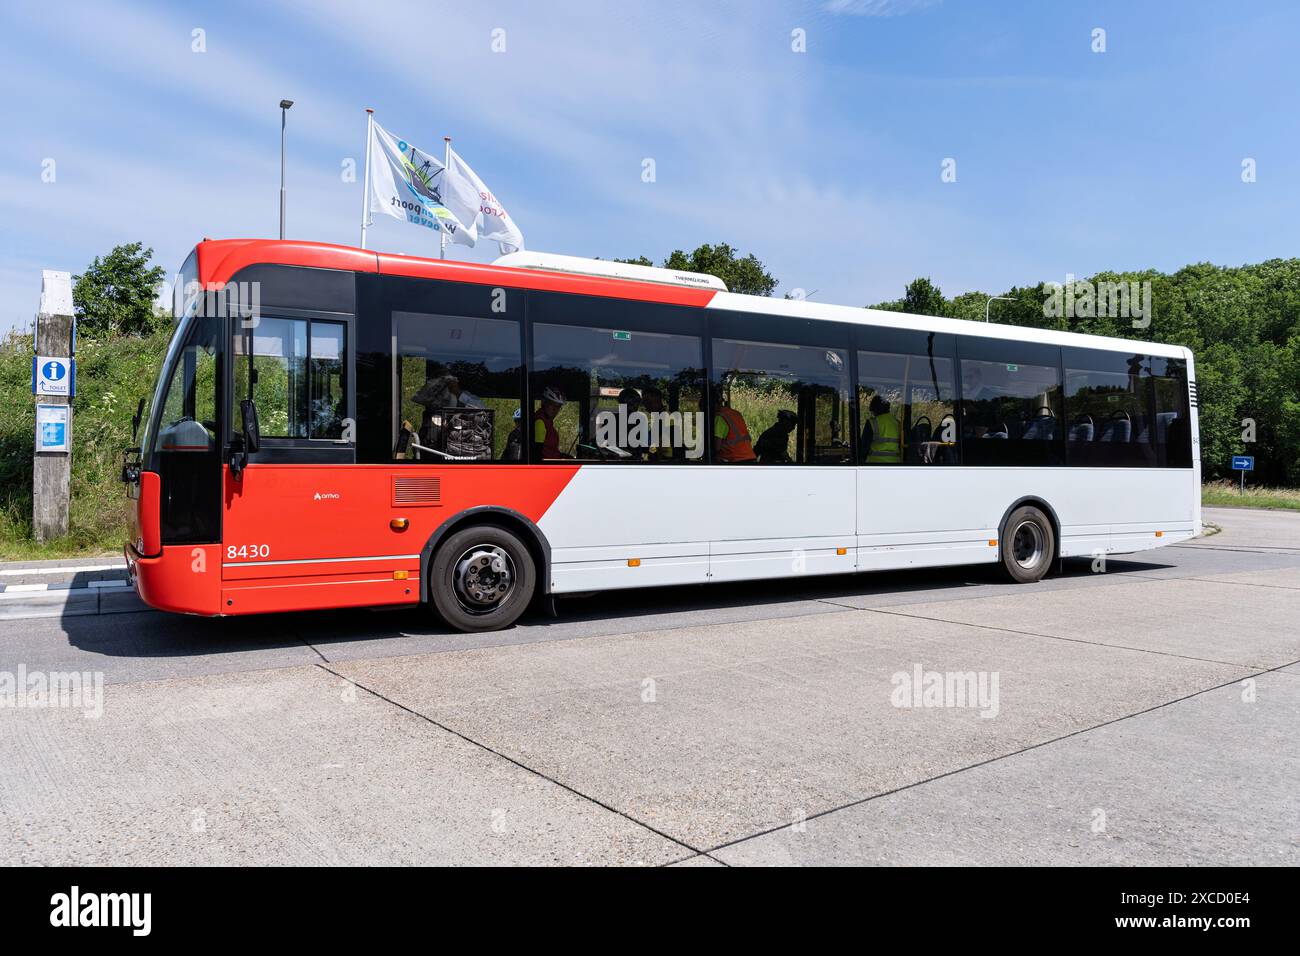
x,y
924,298
115,295
744,275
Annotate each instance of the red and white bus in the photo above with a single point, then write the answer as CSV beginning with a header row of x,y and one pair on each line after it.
x,y
337,427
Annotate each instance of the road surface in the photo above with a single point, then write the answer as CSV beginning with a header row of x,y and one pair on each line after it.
x,y
1141,715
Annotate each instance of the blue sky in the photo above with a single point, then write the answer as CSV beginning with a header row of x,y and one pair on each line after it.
x,y
826,164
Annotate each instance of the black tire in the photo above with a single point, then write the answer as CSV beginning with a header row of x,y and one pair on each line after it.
x,y
482,578
1027,545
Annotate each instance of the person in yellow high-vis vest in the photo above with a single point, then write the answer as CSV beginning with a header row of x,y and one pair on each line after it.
x,y
882,435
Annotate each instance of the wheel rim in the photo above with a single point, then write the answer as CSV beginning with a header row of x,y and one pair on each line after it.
x,y
1027,545
483,578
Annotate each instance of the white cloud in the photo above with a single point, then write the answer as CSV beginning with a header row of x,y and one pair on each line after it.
x,y
747,148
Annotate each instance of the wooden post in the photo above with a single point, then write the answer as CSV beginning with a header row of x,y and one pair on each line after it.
x,y
52,470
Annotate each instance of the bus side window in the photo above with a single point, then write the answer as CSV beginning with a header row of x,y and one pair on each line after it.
x,y
1172,432
616,395
776,403
906,407
1107,399
298,376
457,389
1011,403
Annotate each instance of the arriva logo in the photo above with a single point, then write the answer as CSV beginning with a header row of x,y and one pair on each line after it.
x,y
326,496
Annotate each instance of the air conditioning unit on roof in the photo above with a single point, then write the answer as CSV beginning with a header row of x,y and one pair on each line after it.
x,y
608,269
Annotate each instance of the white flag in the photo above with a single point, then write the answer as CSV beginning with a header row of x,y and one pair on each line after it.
x,y
407,183
492,221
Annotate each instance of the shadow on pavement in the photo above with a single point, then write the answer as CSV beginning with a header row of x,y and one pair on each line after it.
x,y
155,634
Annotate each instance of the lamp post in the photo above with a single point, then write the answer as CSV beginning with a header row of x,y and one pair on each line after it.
x,y
1003,298
284,110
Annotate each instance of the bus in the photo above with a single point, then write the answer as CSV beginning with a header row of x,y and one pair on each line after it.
x,y
339,427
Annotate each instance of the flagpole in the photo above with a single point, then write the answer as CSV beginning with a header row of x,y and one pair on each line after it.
x,y
442,228
365,186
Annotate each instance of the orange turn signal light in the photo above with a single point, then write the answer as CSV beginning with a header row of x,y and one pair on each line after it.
x,y
634,562
841,550
401,575
1160,534
993,542
399,524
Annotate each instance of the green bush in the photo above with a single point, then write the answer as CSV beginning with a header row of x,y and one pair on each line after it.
x,y
112,374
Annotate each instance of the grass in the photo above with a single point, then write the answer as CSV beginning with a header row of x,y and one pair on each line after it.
x,y
1227,494
111,375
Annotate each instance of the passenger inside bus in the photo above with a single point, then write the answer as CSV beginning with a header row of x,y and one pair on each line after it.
x,y
731,443
629,400
881,442
514,450
440,395
773,446
546,437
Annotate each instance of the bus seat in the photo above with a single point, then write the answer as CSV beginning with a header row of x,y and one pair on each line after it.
x,y
1042,428
1163,421
1117,429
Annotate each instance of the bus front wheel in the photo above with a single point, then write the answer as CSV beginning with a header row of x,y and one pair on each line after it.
x,y
1028,545
482,578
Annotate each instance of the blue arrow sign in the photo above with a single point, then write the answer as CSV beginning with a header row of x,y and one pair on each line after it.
x,y
1243,462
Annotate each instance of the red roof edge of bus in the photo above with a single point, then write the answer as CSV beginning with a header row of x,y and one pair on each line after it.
x,y
219,260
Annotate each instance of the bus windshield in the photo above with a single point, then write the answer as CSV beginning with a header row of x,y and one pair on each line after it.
x,y
185,304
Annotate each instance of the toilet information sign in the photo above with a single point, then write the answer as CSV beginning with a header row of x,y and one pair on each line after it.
x,y
54,375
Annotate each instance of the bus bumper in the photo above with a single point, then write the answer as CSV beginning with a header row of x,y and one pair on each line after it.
x,y
181,578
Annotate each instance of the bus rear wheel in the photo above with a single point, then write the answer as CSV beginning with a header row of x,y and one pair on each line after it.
x,y
1027,545
482,578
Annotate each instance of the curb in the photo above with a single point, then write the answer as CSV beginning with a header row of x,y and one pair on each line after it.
x,y
21,601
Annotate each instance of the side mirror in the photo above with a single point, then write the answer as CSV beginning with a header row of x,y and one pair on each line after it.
x,y
135,419
248,422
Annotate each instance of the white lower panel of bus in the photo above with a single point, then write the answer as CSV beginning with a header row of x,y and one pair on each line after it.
x,y
750,560
601,568
938,555
693,523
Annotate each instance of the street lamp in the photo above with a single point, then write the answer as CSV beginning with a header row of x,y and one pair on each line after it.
x,y
284,109
1003,298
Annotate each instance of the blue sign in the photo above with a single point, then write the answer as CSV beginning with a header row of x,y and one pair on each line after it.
x,y
52,428
54,375
1243,462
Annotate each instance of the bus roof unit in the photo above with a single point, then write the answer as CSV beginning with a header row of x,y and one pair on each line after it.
x,y
609,268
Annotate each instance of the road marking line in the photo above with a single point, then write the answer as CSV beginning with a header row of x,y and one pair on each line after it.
x,y
25,587
61,594
15,572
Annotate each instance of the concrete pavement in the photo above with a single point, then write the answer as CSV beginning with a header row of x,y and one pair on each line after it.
x,y
1143,715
